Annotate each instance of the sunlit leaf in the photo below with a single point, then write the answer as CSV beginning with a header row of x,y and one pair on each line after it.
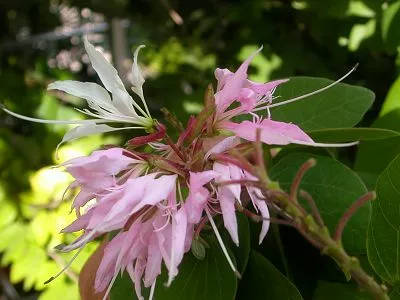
x,y
390,24
392,100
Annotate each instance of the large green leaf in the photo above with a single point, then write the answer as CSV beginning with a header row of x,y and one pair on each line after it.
x,y
210,278
337,135
340,106
333,291
263,281
392,100
383,241
334,187
374,156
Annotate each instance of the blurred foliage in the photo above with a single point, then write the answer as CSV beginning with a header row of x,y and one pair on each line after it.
x,y
310,37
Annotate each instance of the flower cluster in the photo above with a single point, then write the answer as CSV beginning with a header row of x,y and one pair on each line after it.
x,y
155,203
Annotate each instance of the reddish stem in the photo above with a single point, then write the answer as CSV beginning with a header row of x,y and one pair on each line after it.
x,y
173,146
239,181
350,212
229,159
299,176
313,206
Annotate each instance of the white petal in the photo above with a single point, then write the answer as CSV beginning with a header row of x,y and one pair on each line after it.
x,y
137,75
87,129
138,79
87,90
107,73
109,76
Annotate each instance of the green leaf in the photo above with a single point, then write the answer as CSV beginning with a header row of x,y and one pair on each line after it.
x,y
338,135
333,291
334,187
374,156
262,280
343,105
390,24
392,100
210,278
383,241
395,293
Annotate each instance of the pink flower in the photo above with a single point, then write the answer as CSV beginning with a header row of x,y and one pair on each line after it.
x,y
236,86
157,235
156,226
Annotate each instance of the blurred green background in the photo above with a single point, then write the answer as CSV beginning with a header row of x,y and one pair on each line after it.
x,y
41,41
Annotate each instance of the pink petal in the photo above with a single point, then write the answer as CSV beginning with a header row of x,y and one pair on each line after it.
x,y
264,88
272,132
179,237
226,173
80,223
106,270
195,204
247,99
222,146
227,204
263,208
110,161
154,260
198,179
233,86
156,191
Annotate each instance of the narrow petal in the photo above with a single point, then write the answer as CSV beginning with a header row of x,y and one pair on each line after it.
x,y
107,73
233,86
198,179
264,88
227,204
276,133
263,208
222,146
179,226
157,191
89,91
86,130
272,132
138,79
154,260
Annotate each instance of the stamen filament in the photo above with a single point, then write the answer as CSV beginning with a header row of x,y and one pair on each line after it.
x,y
66,266
221,243
152,289
309,94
